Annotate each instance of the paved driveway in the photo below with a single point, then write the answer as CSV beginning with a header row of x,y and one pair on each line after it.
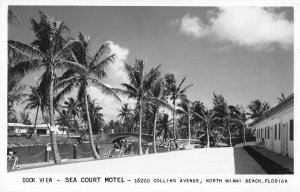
x,y
198,161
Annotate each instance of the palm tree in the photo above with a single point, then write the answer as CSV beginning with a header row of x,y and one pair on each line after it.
x,y
139,88
34,101
175,92
257,108
205,118
65,121
96,116
223,114
158,91
50,51
239,119
125,113
73,107
186,110
94,70
163,125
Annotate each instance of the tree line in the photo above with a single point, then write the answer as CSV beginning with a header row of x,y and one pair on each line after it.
x,y
162,106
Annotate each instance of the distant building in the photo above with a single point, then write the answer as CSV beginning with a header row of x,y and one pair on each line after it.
x,y
19,129
276,127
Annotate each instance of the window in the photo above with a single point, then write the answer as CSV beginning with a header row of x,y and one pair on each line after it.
x,y
279,131
292,130
275,132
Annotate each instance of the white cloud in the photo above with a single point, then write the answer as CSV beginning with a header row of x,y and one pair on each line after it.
x,y
115,72
109,104
192,26
254,27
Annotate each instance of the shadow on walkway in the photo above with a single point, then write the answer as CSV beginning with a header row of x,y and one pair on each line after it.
x,y
266,162
244,163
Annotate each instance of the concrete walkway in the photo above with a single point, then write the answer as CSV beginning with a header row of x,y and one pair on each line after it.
x,y
244,163
284,161
197,161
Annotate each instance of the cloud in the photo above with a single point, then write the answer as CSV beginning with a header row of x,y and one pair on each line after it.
x,y
109,104
254,27
115,71
192,26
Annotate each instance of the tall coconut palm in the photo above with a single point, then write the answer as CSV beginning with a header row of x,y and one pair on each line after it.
x,y
187,111
94,70
175,92
257,108
50,51
139,88
125,114
158,91
34,100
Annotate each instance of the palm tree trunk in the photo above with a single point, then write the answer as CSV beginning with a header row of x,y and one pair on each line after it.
x,y
230,143
189,126
154,132
37,112
174,121
140,128
207,135
57,159
244,127
94,152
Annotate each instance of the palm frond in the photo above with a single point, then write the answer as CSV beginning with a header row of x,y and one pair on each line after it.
x,y
105,89
25,67
13,17
72,65
131,76
64,92
98,54
185,88
66,51
99,69
27,50
151,77
64,82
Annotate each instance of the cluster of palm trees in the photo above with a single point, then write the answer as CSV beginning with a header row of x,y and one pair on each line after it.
x,y
156,95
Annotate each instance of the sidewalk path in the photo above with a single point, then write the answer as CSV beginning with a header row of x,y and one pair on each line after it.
x,y
284,161
198,161
244,163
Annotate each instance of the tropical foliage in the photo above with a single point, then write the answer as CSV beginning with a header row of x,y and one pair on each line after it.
x,y
162,106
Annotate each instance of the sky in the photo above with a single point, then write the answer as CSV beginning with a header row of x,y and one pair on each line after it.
x,y
243,53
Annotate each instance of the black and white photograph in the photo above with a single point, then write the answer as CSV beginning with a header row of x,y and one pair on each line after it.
x,y
134,96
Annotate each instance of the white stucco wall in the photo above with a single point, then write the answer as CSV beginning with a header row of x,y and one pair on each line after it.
x,y
277,145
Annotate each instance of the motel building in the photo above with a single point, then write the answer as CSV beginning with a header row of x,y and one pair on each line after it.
x,y
276,128
19,129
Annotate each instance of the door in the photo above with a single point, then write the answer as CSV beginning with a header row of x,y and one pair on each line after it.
x,y
272,135
284,140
